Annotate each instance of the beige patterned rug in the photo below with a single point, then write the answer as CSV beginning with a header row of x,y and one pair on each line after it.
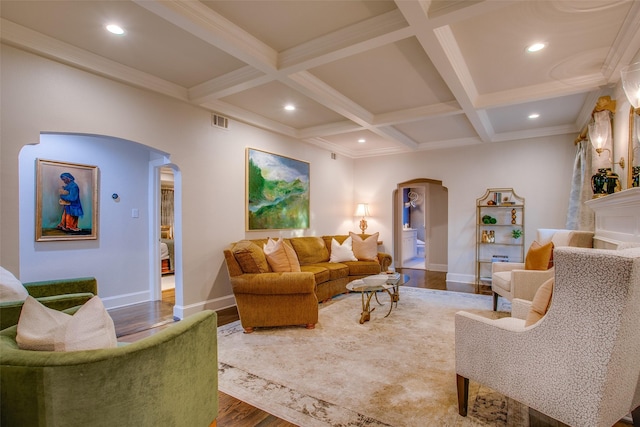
x,y
394,371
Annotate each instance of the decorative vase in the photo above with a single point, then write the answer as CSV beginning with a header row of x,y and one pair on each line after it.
x,y
598,183
613,182
634,176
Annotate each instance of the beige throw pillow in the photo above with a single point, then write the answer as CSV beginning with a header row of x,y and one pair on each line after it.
x,y
11,289
541,302
280,256
342,252
365,249
45,329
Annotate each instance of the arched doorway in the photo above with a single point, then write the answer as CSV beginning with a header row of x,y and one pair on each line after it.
x,y
420,229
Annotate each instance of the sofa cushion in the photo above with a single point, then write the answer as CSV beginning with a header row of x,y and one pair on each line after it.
x,y
336,270
250,257
11,289
45,329
541,302
310,250
342,251
538,256
281,257
320,274
363,268
365,249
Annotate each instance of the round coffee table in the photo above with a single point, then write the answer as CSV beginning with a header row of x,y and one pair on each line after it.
x,y
391,287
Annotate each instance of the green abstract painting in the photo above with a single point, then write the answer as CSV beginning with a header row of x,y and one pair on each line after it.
x,y
277,191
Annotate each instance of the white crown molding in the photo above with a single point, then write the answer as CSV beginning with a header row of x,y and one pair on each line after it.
x,y
535,133
32,41
442,109
199,20
329,129
236,81
625,46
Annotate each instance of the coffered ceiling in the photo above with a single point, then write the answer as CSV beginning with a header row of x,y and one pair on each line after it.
x,y
402,75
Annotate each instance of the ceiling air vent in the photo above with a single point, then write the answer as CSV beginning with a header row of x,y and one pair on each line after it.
x,y
219,121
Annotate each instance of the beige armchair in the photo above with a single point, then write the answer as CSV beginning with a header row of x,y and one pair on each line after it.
x,y
579,364
510,280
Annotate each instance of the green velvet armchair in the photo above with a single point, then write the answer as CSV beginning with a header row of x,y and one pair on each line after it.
x,y
56,294
167,379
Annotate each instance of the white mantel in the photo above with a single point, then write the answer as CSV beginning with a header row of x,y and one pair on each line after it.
x,y
617,218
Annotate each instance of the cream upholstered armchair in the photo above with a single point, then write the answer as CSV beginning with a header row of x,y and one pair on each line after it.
x,y
511,280
579,364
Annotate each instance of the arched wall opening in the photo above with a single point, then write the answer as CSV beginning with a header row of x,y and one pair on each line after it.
x,y
124,255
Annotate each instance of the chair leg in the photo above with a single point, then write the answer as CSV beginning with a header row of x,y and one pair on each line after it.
x,y
463,394
635,415
495,301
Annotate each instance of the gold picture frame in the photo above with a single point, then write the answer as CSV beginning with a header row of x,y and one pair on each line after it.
x,y
66,201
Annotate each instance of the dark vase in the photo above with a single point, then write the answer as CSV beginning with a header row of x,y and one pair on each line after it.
x,y
613,182
634,176
598,183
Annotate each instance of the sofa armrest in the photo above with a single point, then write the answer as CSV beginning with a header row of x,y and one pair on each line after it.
x,y
10,311
49,288
385,261
506,266
274,283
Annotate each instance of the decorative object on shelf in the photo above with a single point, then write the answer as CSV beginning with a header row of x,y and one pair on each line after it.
x,y
613,182
489,220
598,183
516,233
634,176
363,211
495,220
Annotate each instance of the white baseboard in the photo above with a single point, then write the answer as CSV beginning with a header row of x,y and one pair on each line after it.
x,y
461,278
125,299
180,311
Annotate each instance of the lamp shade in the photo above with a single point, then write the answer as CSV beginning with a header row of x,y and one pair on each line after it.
x,y
630,76
362,210
600,130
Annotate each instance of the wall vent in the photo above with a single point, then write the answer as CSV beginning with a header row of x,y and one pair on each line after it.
x,y
219,121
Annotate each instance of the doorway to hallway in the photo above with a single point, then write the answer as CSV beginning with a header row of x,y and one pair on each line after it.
x,y
421,225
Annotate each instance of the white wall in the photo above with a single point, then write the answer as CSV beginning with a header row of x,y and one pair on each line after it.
x,y
39,95
537,169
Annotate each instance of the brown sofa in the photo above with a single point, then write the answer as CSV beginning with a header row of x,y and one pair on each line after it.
x,y
291,298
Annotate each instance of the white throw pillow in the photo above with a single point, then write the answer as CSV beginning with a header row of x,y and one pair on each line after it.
x,y
11,289
342,252
45,329
367,249
280,256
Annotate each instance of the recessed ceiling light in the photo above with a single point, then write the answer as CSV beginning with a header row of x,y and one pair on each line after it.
x,y
534,116
289,107
115,29
362,140
536,47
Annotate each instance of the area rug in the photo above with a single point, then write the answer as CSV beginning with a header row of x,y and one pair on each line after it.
x,y
393,371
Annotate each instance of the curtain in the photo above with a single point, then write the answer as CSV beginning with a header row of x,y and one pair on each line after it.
x,y
166,206
579,216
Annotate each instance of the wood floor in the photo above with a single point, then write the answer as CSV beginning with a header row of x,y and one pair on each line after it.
x,y
142,320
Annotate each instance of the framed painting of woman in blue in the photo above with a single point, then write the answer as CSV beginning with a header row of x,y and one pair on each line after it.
x,y
66,201
277,192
